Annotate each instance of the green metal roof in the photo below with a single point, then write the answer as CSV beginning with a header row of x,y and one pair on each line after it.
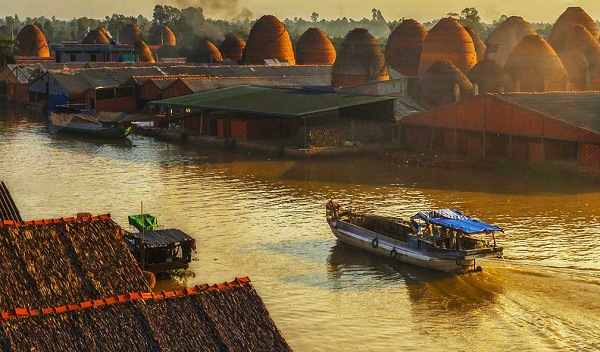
x,y
283,102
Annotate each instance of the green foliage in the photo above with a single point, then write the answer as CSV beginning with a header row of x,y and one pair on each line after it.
x,y
8,46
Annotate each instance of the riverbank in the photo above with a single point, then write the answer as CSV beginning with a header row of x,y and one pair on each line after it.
x,y
393,153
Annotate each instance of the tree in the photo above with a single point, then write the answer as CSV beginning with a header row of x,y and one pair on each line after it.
x,y
49,30
8,47
470,14
166,15
314,17
469,17
10,23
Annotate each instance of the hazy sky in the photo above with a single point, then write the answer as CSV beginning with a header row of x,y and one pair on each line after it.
x,y
421,10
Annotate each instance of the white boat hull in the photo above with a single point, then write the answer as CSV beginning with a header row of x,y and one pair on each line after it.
x,y
397,250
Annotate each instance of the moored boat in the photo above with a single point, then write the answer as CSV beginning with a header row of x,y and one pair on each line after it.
x,y
442,239
76,119
158,250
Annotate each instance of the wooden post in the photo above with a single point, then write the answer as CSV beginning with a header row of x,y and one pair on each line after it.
x,y
201,121
142,244
305,133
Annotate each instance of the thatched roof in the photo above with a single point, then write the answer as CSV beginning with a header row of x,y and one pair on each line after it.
x,y
314,48
163,36
224,317
535,67
95,36
572,16
579,52
8,208
32,42
448,40
206,52
437,86
268,39
404,45
502,40
490,77
60,261
478,42
142,51
232,47
130,33
359,61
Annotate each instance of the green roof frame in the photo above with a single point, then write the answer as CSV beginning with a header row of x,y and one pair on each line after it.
x,y
280,102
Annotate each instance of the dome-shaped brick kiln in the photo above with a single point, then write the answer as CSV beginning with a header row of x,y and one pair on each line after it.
x,y
130,34
268,39
232,47
438,85
142,52
95,36
360,60
502,40
579,52
206,52
535,67
104,31
490,77
448,40
572,16
314,48
32,42
478,42
404,46
163,35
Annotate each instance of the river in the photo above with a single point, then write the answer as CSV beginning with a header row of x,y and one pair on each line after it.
x,y
263,217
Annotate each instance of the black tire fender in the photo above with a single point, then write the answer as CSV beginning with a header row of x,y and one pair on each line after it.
x,y
375,242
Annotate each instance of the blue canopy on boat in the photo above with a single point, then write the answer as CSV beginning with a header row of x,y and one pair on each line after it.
x,y
454,219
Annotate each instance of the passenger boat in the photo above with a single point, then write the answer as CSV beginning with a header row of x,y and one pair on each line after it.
x,y
442,239
76,118
158,250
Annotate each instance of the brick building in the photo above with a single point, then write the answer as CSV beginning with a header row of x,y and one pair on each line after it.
x,y
556,126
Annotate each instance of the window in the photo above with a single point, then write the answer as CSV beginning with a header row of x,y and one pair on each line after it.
x,y
73,57
93,57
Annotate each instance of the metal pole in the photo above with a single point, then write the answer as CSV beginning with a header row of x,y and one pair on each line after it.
x,y
142,244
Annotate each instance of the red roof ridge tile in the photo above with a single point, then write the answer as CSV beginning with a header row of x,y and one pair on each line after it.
x,y
130,296
55,220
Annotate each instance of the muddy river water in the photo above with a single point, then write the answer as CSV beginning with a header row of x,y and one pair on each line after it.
x,y
263,217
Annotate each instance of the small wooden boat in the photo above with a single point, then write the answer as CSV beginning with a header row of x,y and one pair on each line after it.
x,y
158,250
442,239
76,119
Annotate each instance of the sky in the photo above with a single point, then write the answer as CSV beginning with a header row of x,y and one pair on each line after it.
x,y
420,10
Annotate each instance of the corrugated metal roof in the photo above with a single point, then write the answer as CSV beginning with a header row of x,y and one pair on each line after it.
x,y
248,71
78,81
405,106
198,85
281,102
8,209
579,108
161,238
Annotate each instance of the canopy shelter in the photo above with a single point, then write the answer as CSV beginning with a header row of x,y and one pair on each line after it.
x,y
143,222
162,238
454,219
160,251
282,113
275,102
